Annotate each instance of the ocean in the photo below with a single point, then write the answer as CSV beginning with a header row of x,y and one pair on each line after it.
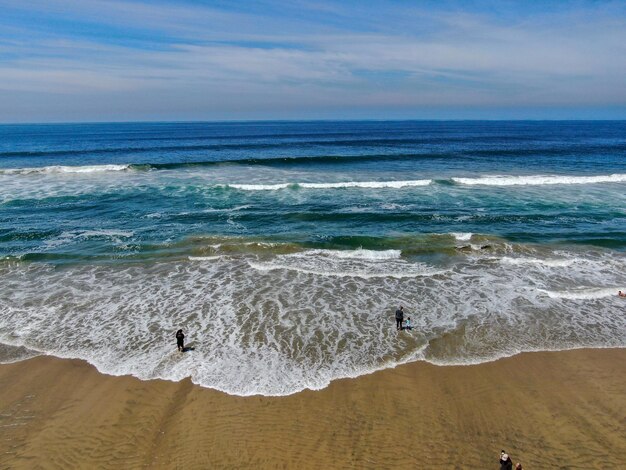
x,y
283,249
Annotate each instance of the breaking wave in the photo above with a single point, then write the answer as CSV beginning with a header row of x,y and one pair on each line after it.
x,y
584,293
531,180
64,169
344,184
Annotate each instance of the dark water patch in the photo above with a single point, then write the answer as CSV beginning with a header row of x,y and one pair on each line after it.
x,y
352,217
552,150
58,257
616,241
13,235
212,147
43,201
300,160
517,151
324,135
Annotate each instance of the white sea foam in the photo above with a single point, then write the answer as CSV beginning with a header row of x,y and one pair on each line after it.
x,y
540,261
226,209
394,206
359,263
359,253
343,184
204,258
260,187
349,272
263,244
275,331
583,293
105,233
463,237
502,180
366,184
70,236
64,169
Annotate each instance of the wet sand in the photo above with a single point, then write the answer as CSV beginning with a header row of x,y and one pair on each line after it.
x,y
548,410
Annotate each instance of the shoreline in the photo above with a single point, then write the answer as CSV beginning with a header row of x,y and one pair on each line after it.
x,y
564,409
363,373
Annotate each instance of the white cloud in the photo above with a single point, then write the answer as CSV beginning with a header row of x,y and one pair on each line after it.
x,y
242,60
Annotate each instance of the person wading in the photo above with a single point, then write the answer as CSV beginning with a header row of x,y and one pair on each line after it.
x,y
399,317
180,341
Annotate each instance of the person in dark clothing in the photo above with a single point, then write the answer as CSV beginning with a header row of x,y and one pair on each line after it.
x,y
399,317
505,461
180,340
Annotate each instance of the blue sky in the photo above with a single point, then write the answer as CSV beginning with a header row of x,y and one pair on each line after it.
x,y
89,60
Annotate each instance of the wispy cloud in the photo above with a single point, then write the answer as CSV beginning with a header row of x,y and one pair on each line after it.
x,y
88,59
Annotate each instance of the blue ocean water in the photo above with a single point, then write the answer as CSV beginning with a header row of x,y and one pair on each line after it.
x,y
283,248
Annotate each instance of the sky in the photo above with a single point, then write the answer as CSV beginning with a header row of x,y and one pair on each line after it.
x,y
180,60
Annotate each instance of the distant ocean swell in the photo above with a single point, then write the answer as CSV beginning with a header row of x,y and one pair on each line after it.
x,y
485,180
546,149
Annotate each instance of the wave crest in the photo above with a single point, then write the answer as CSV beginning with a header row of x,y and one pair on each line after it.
x,y
583,293
64,169
533,180
339,185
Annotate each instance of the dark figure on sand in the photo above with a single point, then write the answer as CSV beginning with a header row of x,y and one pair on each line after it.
x,y
518,466
180,340
399,317
505,461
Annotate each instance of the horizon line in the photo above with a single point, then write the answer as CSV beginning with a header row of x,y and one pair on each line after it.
x,y
242,121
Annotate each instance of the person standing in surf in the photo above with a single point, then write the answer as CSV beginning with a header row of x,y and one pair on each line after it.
x,y
180,341
399,317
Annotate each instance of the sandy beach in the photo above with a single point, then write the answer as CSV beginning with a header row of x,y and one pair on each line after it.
x,y
548,410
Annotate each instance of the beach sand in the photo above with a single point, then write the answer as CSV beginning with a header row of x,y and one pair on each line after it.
x,y
548,410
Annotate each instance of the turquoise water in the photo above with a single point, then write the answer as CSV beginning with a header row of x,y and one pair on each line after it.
x,y
283,248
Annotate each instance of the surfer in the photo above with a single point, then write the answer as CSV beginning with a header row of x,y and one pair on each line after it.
x,y
180,341
621,294
399,317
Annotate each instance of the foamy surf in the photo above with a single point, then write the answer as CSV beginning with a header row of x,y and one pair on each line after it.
x,y
462,237
359,263
350,272
584,293
66,238
301,320
501,180
538,261
359,253
340,185
64,169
